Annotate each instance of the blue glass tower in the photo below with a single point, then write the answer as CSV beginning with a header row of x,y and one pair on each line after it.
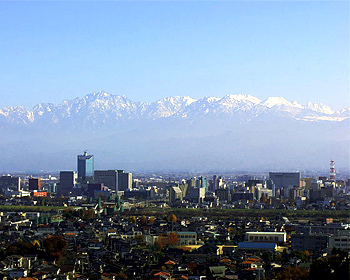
x,y
85,167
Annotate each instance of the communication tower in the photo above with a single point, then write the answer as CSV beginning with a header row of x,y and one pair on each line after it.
x,y
332,171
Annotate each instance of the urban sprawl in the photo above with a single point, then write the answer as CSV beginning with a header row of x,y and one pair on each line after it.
x,y
105,224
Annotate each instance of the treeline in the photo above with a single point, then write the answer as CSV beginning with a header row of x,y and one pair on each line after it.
x,y
21,208
216,214
52,247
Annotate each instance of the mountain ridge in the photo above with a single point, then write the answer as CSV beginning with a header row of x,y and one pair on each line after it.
x,y
175,133
102,106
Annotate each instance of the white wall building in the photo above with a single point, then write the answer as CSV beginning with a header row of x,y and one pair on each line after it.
x,y
272,237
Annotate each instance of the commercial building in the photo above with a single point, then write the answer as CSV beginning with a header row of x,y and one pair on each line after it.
x,y
124,180
271,237
175,194
108,178
186,238
85,167
67,182
284,181
310,242
34,184
341,240
196,195
224,195
36,193
92,188
10,182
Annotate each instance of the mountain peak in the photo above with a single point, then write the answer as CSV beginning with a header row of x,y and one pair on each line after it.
x,y
276,101
102,107
319,107
241,98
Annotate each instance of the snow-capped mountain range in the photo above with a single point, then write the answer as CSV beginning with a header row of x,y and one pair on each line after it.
x,y
102,107
235,132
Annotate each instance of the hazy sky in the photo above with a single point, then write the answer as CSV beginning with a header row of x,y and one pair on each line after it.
x,y
51,51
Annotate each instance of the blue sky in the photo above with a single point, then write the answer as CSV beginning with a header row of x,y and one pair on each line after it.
x,y
51,51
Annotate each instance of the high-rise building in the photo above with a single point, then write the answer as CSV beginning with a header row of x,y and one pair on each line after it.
x,y
201,182
67,182
10,182
108,178
34,184
284,181
85,167
92,188
124,180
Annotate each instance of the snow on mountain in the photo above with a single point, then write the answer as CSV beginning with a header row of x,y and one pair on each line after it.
x,y
168,106
101,107
201,107
232,103
17,115
276,101
319,107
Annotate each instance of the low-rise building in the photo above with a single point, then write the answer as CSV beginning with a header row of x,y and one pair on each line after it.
x,y
271,237
340,241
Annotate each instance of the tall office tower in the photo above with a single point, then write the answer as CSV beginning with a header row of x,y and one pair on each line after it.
x,y
271,186
197,194
85,167
214,183
108,178
201,182
284,181
34,184
124,180
191,183
10,182
67,182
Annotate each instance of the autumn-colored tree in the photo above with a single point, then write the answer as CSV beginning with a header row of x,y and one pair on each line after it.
x,y
87,214
143,220
140,239
232,230
36,243
293,273
173,238
172,218
151,220
159,245
21,247
133,219
55,246
335,267
304,256
121,275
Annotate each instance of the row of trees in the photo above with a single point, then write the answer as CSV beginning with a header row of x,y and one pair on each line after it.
x,y
52,247
83,214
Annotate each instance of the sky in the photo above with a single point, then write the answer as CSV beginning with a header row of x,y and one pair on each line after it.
x,y
147,50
